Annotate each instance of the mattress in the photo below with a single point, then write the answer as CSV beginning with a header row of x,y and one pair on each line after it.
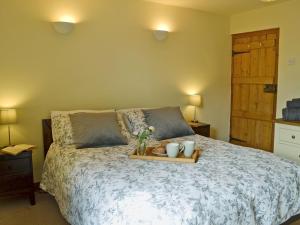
x,y
229,185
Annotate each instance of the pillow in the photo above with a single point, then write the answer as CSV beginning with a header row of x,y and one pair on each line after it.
x,y
61,125
96,130
168,123
126,122
123,125
134,119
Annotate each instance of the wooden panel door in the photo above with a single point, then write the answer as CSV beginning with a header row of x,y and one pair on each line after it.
x,y
254,86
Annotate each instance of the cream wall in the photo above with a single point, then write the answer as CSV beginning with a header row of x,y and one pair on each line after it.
x,y
285,16
110,60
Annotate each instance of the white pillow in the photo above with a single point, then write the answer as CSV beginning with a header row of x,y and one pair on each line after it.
x,y
134,119
62,128
124,127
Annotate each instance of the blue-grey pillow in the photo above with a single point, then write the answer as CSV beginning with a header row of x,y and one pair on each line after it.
x,y
96,130
168,123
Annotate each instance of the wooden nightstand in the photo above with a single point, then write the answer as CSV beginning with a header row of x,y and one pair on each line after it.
x,y
201,128
16,176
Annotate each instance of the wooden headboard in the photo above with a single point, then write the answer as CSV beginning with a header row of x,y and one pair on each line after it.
x,y
47,134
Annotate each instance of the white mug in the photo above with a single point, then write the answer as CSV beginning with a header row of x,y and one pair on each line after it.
x,y
189,147
173,149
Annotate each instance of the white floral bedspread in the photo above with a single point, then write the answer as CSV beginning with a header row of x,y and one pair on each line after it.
x,y
229,185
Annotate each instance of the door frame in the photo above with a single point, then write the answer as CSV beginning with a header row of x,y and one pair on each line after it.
x,y
246,34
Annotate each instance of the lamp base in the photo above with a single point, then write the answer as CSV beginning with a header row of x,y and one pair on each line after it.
x,y
194,121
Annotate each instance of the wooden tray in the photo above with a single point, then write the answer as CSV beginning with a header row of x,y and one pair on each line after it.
x,y
180,159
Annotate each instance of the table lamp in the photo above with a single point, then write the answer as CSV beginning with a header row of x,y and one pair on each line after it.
x,y
8,117
195,100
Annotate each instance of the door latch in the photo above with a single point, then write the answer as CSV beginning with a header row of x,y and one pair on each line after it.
x,y
270,88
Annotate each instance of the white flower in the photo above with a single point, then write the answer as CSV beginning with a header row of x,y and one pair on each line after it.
x,y
151,128
135,133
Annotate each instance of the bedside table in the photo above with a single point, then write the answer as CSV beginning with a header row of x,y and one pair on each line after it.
x,y
16,177
201,128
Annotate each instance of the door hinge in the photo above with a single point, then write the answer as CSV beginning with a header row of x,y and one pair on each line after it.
x,y
236,139
238,53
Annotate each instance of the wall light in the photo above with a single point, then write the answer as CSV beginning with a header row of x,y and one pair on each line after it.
x,y
160,35
63,27
64,24
161,31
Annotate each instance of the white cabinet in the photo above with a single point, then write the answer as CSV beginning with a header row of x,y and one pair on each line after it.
x,y
287,140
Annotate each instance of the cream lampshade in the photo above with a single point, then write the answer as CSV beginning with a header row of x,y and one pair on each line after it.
x,y
195,100
8,117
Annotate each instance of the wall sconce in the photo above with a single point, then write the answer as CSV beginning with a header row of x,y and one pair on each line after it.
x,y
62,27
160,35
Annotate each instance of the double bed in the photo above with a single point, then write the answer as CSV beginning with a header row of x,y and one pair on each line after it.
x,y
229,185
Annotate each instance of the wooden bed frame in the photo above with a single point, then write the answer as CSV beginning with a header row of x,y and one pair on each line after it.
x,y
48,140
47,135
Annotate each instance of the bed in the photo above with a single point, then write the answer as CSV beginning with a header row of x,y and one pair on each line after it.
x,y
230,185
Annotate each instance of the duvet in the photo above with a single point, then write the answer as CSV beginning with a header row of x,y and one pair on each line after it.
x,y
230,185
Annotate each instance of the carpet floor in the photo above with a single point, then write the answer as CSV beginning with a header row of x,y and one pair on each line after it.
x,y
18,211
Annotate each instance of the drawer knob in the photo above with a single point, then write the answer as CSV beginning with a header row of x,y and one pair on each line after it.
x,y
293,137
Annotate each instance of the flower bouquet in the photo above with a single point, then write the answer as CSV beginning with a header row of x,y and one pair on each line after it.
x,y
142,137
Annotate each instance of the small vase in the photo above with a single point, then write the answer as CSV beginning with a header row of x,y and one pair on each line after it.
x,y
141,148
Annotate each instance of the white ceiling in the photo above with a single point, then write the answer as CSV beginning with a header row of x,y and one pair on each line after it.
x,y
227,7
